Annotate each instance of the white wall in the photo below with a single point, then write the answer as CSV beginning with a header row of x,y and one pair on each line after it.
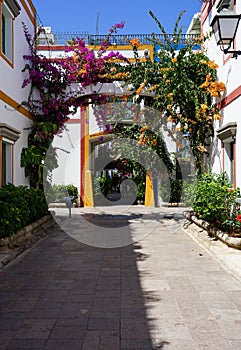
x,y
11,92
12,77
229,72
68,150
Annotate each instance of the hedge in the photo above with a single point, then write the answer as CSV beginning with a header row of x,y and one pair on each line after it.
x,y
20,206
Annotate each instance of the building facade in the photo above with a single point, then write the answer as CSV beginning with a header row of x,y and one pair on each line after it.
x,y
227,143
14,118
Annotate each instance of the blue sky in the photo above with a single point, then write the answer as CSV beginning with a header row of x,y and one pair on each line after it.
x,y
81,15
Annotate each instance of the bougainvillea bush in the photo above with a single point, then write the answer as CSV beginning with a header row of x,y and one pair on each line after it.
x,y
52,100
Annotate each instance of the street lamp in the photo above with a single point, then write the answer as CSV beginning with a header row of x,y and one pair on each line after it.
x,y
225,25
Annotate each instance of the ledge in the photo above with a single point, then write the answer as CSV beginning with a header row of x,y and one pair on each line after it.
x,y
11,247
232,242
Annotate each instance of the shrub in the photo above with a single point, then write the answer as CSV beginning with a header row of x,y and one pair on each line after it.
x,y
189,191
215,202
20,206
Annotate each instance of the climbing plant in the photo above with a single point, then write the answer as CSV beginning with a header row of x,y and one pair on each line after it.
x,y
52,99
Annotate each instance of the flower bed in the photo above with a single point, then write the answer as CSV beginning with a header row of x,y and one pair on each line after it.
x,y
231,240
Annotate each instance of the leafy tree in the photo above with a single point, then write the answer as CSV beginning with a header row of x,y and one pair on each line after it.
x,y
184,85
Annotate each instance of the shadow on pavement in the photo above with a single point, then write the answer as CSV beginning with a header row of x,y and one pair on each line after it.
x,y
63,294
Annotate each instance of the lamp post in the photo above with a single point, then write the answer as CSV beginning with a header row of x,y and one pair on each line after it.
x,y
225,24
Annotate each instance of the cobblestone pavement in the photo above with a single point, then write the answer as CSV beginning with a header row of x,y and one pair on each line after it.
x,y
164,291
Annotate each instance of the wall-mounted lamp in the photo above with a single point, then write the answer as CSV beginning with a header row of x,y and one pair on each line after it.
x,y
225,25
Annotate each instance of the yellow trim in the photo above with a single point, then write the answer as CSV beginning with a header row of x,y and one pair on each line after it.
x,y
149,194
14,104
99,133
88,194
31,16
121,48
88,190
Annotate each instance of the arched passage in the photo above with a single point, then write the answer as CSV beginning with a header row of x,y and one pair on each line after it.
x,y
116,173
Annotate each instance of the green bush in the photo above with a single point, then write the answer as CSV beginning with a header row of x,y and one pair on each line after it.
x,y
189,191
215,202
20,206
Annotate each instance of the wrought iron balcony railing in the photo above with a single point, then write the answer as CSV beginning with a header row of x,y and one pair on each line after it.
x,y
52,39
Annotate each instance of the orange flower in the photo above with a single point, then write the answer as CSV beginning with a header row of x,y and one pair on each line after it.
x,y
152,88
212,64
203,107
135,42
144,128
163,69
141,139
141,87
170,119
75,58
217,116
174,60
201,148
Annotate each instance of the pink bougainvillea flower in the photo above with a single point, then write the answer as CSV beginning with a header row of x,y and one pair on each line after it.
x,y
107,127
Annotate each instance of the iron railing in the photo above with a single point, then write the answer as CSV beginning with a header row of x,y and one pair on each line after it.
x,y
116,40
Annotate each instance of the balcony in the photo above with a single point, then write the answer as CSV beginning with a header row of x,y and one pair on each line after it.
x,y
115,40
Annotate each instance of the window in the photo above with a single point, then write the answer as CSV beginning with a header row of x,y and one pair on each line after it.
x,y
228,160
7,170
8,136
9,10
7,36
227,134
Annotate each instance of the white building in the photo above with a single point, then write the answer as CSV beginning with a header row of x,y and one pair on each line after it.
x,y
14,118
227,145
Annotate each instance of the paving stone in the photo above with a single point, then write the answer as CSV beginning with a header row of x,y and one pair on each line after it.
x,y
26,344
5,338
20,304
36,329
11,324
104,340
75,310
64,344
68,332
103,324
137,344
46,309
163,292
